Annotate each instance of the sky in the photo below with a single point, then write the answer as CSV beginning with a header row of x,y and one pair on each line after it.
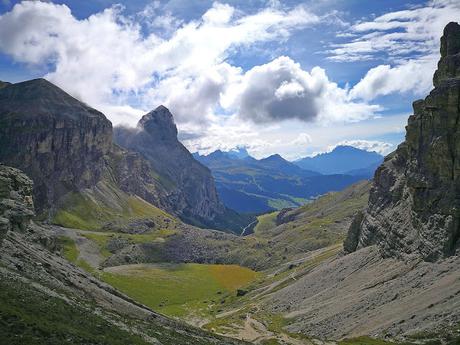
x,y
289,77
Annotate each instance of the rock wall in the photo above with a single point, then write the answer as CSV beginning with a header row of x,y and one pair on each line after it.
x,y
414,204
16,203
55,139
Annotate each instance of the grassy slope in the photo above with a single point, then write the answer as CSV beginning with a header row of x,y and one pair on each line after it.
x,y
92,210
178,289
265,222
28,316
319,224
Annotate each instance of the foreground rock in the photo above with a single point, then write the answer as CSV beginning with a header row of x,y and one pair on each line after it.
x,y
414,205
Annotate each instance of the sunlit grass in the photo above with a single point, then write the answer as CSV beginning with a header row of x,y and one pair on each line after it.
x,y
177,289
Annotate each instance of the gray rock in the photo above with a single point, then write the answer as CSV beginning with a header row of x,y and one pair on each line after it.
x,y
414,204
190,186
16,205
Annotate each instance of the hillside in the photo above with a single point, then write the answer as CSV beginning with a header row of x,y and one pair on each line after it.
x,y
67,150
45,299
249,185
343,160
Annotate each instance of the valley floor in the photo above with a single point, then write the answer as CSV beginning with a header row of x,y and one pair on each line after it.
x,y
318,296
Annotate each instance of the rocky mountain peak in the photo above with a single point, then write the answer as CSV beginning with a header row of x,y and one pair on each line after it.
x,y
159,123
449,64
192,193
414,205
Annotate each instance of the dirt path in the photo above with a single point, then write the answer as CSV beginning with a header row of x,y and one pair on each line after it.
x,y
87,249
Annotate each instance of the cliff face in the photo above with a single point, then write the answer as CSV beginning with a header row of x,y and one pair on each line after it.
x,y
66,148
414,205
190,186
16,203
55,139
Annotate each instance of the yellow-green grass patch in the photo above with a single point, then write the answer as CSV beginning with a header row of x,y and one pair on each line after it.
x,y
178,289
265,222
93,210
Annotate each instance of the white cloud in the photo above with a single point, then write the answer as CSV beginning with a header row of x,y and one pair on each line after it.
x,y
396,34
282,90
106,60
408,40
411,76
369,145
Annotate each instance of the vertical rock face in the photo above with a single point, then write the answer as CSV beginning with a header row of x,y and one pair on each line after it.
x,y
414,205
16,203
57,140
190,186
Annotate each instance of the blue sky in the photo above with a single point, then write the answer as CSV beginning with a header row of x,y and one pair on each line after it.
x,y
288,77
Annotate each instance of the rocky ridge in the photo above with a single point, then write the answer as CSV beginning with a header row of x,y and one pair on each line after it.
x,y
55,139
414,204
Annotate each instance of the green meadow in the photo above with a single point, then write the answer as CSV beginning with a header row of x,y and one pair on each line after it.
x,y
178,289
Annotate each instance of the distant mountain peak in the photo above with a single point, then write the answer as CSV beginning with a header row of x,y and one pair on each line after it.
x,y
239,152
341,160
274,158
159,122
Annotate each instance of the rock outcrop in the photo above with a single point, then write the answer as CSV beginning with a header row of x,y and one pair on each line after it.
x,y
55,139
414,205
190,186
16,203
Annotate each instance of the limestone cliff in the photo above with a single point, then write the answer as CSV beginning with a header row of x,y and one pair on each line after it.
x,y
55,139
414,204
190,185
66,148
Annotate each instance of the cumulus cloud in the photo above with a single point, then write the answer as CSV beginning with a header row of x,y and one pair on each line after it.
x,y
410,76
282,90
408,39
106,59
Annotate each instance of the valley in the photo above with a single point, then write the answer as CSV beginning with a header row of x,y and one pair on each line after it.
x,y
117,235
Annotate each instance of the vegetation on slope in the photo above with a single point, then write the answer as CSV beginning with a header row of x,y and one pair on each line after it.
x,y
107,208
30,317
179,289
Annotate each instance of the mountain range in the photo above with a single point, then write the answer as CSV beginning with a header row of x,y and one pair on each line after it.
x,y
343,159
97,246
248,185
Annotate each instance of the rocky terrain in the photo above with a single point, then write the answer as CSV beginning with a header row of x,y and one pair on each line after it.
x,y
395,278
57,140
414,206
400,278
